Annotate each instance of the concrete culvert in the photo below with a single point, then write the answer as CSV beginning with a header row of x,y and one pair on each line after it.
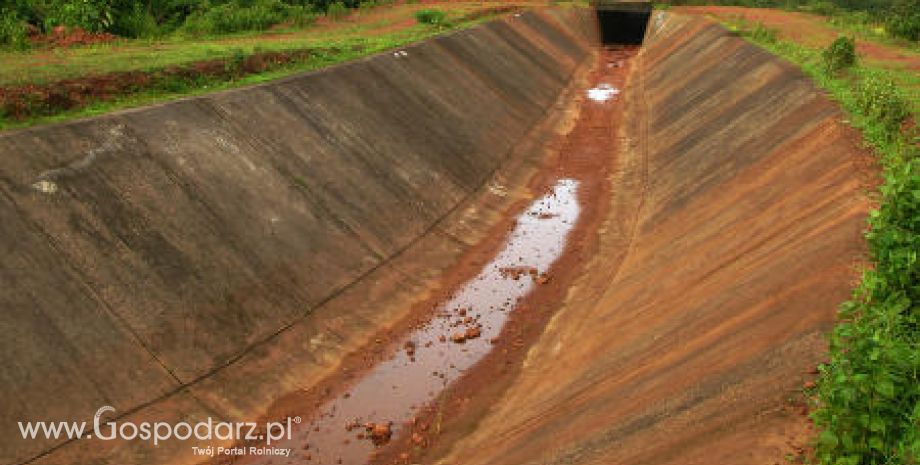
x,y
622,22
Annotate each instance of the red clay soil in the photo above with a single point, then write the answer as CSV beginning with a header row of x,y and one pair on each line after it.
x,y
61,37
27,101
807,29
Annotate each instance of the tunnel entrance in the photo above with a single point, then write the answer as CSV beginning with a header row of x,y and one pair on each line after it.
x,y
622,22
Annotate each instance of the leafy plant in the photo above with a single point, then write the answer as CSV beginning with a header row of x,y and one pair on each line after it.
x,y
880,99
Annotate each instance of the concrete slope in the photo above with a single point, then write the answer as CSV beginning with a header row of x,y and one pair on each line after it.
x,y
203,257
736,231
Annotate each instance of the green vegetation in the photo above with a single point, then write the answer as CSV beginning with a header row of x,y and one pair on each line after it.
x,y
434,17
159,18
840,55
897,18
337,10
867,399
138,72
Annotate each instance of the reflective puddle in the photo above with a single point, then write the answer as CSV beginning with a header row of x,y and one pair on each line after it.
x,y
460,333
602,92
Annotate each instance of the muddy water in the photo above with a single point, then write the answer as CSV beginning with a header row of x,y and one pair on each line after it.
x,y
439,352
382,401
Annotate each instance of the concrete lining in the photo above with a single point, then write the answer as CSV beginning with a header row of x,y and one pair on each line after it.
x,y
157,258
738,210
205,257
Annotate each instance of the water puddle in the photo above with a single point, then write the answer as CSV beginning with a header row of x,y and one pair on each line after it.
x,y
379,405
602,92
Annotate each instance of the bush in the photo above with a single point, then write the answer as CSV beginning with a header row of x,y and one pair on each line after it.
x,y
434,17
337,11
840,54
12,31
870,390
882,100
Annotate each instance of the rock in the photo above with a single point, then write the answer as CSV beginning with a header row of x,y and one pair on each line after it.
x,y
472,333
380,433
458,337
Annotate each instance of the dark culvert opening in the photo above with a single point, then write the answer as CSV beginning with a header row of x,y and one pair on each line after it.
x,y
622,27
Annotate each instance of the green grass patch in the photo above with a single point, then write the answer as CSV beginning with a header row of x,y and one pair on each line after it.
x,y
343,45
867,400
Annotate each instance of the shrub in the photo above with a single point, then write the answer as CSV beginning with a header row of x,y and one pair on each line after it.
x,y
12,31
337,10
840,54
434,17
870,390
882,100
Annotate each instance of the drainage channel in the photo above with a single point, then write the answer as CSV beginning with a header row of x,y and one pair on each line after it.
x,y
386,400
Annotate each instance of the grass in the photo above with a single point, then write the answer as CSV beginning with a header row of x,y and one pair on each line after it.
x,y
37,66
867,400
392,29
